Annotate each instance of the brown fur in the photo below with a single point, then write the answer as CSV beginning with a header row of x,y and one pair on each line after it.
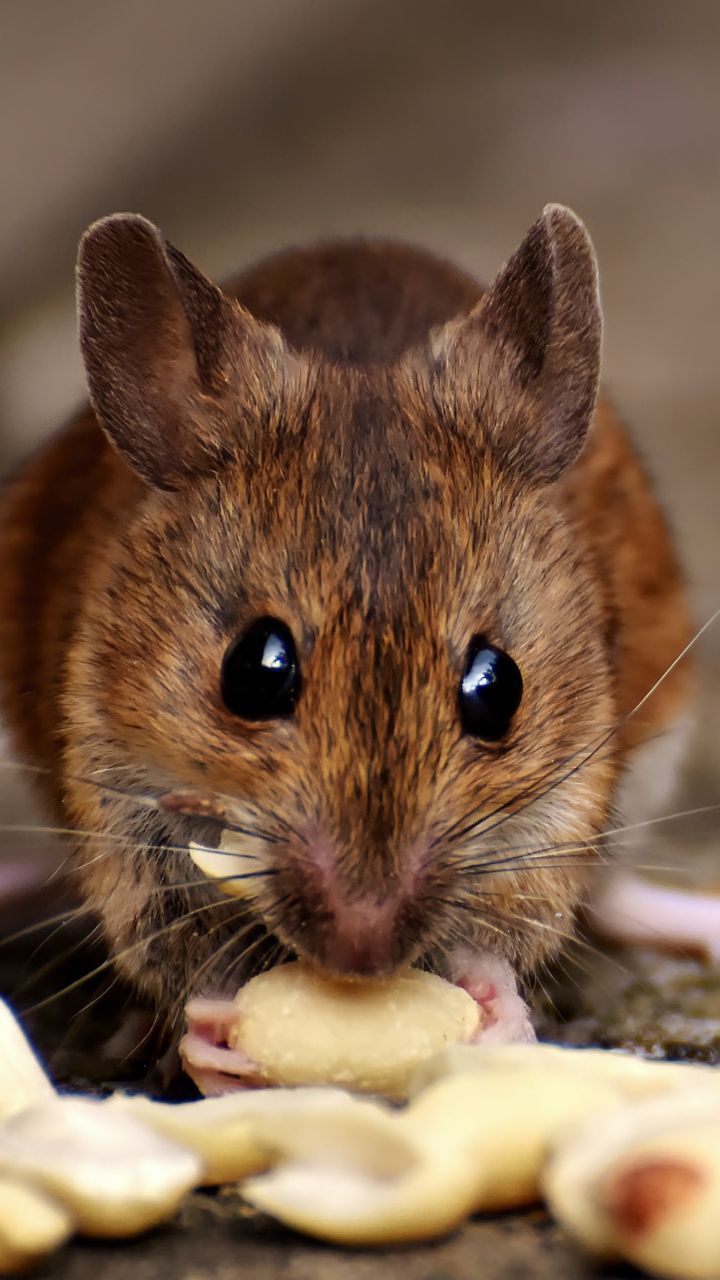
x,y
390,461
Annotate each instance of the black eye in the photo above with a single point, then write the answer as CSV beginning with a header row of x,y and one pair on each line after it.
x,y
490,691
260,676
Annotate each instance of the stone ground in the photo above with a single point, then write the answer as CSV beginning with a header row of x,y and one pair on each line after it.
x,y
242,127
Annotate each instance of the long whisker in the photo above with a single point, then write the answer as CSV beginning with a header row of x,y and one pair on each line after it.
x,y
149,801
170,927
526,855
74,913
566,936
213,957
508,809
62,917
56,961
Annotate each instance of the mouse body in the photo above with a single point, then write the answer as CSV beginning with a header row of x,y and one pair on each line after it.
x,y
349,560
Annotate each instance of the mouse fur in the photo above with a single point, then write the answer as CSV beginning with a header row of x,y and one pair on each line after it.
x,y
360,440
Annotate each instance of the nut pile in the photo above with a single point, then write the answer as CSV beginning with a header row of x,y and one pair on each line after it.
x,y
625,1153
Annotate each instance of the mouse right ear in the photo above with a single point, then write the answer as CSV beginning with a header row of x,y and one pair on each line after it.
x,y
173,365
526,361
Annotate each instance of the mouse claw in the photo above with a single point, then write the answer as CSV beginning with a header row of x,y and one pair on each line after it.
x,y
492,982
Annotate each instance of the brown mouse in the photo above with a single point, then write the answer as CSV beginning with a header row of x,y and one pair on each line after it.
x,y
349,559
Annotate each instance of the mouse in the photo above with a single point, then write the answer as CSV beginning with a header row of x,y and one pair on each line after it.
x,y
350,560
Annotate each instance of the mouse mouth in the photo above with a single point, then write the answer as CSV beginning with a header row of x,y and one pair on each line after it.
x,y
208,1049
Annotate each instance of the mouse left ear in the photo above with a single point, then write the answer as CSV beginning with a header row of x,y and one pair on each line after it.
x,y
177,372
526,360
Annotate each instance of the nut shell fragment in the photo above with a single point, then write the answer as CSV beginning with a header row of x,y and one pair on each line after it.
x,y
662,1200
360,1179
590,1187
632,1076
505,1123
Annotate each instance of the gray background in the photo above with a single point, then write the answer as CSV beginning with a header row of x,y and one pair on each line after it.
x,y
240,127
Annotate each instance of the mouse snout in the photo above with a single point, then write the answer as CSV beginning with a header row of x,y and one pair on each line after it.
x,y
359,938
343,925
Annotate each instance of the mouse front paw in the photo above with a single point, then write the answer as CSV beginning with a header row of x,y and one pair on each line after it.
x,y
492,982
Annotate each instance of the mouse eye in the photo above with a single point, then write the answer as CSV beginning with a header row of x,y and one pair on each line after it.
x,y
490,691
260,675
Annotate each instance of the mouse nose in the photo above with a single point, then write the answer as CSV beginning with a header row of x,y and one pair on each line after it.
x,y
359,917
359,938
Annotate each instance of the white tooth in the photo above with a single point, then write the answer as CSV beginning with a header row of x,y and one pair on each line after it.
x,y
229,864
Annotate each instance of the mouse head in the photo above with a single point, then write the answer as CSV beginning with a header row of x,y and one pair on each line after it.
x,y
358,628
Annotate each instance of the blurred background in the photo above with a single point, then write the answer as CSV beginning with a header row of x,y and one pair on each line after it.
x,y
241,126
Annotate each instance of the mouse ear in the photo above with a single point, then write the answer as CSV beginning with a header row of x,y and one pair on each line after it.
x,y
528,355
163,349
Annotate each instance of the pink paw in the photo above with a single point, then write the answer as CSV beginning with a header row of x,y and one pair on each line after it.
x,y
493,983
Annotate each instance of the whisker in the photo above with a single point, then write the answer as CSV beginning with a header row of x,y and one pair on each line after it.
x,y
169,927
242,958
114,837
451,833
668,671
666,817
27,981
147,800
502,813
522,855
568,937
64,917
212,959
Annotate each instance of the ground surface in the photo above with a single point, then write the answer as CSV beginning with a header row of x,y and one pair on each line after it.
x,y
659,1006
210,1241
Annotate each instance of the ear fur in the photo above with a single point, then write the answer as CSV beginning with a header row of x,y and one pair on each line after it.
x,y
528,356
162,348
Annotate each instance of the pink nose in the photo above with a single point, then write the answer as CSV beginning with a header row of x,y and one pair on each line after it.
x,y
359,937
334,920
